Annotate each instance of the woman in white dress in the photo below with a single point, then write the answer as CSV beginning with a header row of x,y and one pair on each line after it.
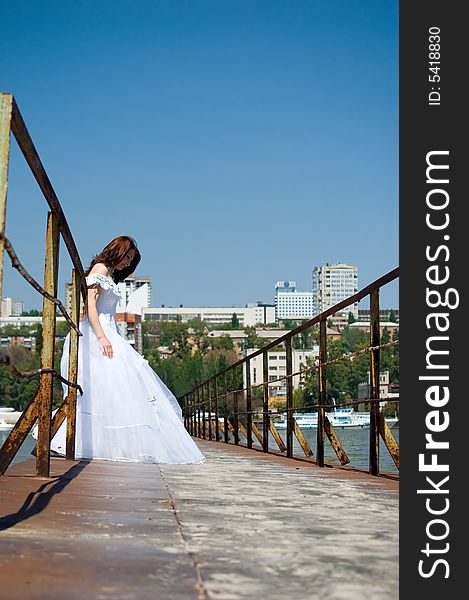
x,y
126,413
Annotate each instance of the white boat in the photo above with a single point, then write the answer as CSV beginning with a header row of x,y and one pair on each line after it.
x,y
339,418
4,426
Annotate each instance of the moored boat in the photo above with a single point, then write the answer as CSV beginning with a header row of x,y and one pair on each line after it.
x,y
339,418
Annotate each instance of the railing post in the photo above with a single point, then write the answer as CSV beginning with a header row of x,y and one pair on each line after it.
x,y
209,402
198,413
235,409
289,407
265,404
225,409
322,393
192,413
6,103
202,394
73,369
48,346
374,382
248,403
217,425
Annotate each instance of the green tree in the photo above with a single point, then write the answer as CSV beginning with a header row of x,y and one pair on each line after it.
x,y
351,318
234,321
252,340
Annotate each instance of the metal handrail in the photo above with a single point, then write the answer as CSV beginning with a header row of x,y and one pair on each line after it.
x,y
201,398
40,406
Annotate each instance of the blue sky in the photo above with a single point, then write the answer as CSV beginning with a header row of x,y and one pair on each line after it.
x,y
239,142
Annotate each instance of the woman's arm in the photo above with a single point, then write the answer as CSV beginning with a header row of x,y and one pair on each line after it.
x,y
93,295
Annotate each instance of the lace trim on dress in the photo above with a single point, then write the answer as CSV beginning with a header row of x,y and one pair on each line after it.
x,y
104,281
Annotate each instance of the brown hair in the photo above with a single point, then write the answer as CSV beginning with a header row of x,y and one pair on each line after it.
x,y
114,253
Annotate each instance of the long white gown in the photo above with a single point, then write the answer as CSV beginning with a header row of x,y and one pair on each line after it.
x,y
126,413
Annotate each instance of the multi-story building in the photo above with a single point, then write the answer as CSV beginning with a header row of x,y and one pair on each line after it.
x,y
28,341
332,284
130,327
136,294
249,315
12,308
385,314
277,364
294,305
285,286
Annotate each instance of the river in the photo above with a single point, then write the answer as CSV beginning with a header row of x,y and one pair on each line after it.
x,y
355,442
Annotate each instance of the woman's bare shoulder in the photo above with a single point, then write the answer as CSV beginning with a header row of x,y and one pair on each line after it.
x,y
99,269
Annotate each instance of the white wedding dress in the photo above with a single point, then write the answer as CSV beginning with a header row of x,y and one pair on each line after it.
x,y
126,413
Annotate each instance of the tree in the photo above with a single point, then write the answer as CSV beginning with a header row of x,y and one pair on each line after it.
x,y
392,316
234,321
252,339
351,318
32,313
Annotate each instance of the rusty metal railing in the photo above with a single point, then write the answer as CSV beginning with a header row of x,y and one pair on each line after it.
x,y
224,386
40,406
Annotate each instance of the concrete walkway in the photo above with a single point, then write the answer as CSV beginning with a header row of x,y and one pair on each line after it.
x,y
242,525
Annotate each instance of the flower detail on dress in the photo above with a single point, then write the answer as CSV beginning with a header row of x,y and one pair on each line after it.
x,y
104,281
153,401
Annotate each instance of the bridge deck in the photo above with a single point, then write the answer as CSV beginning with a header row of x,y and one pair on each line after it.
x,y
242,525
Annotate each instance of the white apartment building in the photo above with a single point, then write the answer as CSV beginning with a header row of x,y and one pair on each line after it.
x,y
18,321
277,363
12,307
249,315
136,294
332,284
294,305
291,304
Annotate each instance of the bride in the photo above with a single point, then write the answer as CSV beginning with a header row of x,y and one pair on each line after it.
x,y
126,413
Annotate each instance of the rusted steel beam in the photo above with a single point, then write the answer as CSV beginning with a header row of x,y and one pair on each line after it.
x,y
6,107
302,440
374,383
277,437
389,440
248,404
289,407
28,149
18,434
258,434
48,346
322,393
56,422
243,429
16,264
265,402
335,443
73,370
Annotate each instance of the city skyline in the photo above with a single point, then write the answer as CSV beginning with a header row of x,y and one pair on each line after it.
x,y
265,140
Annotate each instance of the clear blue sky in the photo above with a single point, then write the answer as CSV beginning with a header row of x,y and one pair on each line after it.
x,y
240,142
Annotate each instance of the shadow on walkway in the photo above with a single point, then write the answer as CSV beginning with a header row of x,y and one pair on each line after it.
x,y
37,501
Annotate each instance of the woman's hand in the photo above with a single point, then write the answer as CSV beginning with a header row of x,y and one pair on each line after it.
x,y
106,345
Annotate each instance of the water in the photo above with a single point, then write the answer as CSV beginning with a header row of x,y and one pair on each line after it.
x,y
24,453
355,441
